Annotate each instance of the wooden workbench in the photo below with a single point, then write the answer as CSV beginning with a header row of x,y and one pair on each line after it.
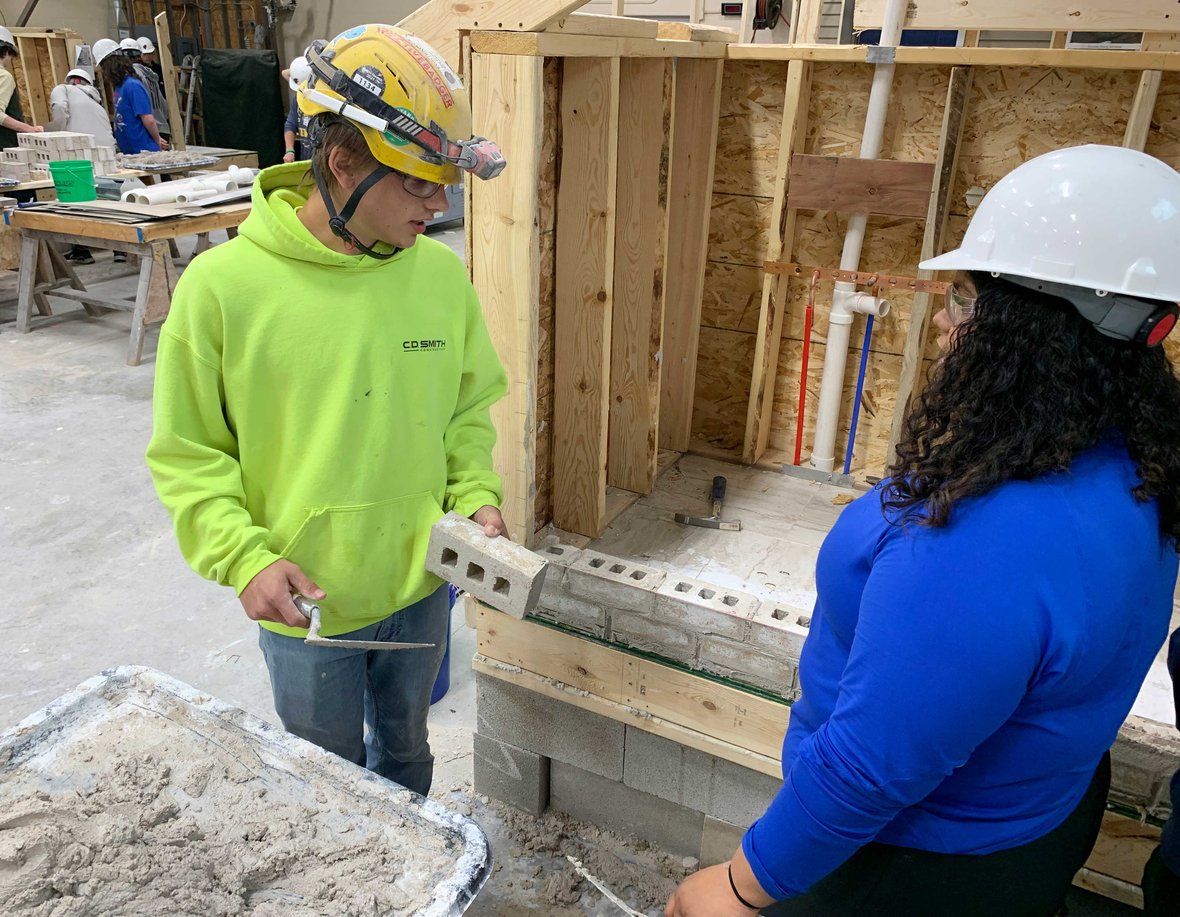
x,y
43,269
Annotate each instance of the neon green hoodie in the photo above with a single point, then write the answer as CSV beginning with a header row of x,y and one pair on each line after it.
x,y
322,407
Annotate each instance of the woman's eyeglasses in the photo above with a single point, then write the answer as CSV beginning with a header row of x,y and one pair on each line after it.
x,y
959,306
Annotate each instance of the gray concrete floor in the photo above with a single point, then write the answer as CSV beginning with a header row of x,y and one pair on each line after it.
x,y
92,577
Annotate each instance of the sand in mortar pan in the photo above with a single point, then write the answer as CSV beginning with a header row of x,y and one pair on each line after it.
x,y
154,819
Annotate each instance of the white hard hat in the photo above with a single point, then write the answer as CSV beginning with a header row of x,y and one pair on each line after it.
x,y
78,71
129,44
1098,217
298,72
145,45
6,36
104,48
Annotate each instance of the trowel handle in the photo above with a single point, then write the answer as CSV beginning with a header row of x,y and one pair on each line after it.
x,y
308,608
718,496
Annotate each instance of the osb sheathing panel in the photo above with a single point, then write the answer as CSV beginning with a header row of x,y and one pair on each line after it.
x,y
751,118
1164,139
1014,114
547,196
739,233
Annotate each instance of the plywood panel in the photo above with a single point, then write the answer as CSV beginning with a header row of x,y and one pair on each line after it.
x,y
731,298
725,363
749,124
739,229
507,105
637,322
1017,114
877,402
585,281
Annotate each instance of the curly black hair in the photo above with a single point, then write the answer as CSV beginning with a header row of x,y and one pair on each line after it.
x,y
1027,385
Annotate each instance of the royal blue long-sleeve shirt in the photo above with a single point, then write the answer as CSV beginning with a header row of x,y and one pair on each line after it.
x,y
960,684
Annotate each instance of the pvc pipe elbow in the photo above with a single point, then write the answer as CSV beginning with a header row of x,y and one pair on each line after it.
x,y
867,304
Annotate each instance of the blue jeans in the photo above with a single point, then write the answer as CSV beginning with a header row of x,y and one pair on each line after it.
x,y
367,706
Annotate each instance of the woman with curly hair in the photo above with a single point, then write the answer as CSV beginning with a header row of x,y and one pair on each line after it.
x,y
986,616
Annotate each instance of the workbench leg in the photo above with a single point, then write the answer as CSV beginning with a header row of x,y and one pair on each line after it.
x,y
26,281
173,250
62,268
232,232
45,275
202,243
135,348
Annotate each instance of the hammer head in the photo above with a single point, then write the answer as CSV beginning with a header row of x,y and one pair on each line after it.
x,y
712,522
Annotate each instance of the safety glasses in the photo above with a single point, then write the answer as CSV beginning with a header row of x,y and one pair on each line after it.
x,y
959,306
419,187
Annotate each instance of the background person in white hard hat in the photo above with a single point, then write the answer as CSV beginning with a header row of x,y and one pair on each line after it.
x,y
295,127
12,122
77,107
352,356
985,616
132,49
149,57
135,126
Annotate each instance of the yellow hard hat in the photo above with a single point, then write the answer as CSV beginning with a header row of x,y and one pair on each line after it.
x,y
408,103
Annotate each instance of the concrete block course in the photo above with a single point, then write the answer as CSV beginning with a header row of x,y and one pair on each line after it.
x,y
695,779
503,574
653,635
778,629
510,774
624,810
719,840
546,726
741,662
564,609
706,608
614,582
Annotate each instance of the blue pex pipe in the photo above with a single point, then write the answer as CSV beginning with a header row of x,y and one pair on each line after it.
x,y
860,387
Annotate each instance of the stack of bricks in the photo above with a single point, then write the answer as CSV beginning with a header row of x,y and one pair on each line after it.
x,y
36,151
700,625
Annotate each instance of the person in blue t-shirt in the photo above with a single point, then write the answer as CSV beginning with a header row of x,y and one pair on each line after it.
x,y
135,127
987,614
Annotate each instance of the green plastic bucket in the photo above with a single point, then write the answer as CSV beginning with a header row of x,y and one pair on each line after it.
x,y
73,179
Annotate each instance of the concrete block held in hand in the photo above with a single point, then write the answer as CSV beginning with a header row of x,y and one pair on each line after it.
x,y
496,571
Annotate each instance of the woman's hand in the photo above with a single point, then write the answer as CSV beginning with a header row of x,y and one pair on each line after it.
x,y
707,894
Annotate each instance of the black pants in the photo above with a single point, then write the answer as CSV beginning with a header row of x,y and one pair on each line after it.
x,y
881,880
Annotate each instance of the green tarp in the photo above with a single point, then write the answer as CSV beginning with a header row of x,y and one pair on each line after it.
x,y
242,102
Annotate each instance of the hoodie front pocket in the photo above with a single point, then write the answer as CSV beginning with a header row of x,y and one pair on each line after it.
x,y
368,558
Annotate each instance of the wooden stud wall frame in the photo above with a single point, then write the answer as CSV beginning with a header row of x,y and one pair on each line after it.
x,y
660,329
46,56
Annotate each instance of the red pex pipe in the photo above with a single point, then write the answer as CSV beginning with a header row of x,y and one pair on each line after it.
x,y
808,318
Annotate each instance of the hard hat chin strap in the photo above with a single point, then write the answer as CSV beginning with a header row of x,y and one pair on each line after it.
x,y
338,223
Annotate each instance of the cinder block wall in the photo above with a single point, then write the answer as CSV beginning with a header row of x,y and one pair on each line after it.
x,y
533,751
701,625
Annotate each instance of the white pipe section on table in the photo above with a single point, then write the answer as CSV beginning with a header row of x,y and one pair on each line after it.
x,y
823,451
195,194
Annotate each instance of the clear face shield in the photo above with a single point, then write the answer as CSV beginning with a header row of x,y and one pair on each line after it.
x,y
478,155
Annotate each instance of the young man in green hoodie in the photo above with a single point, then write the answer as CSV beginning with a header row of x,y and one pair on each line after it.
x,y
323,385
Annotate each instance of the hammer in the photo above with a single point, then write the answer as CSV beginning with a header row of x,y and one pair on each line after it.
x,y
714,521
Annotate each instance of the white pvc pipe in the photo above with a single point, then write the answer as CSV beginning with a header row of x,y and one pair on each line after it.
x,y
195,194
823,452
